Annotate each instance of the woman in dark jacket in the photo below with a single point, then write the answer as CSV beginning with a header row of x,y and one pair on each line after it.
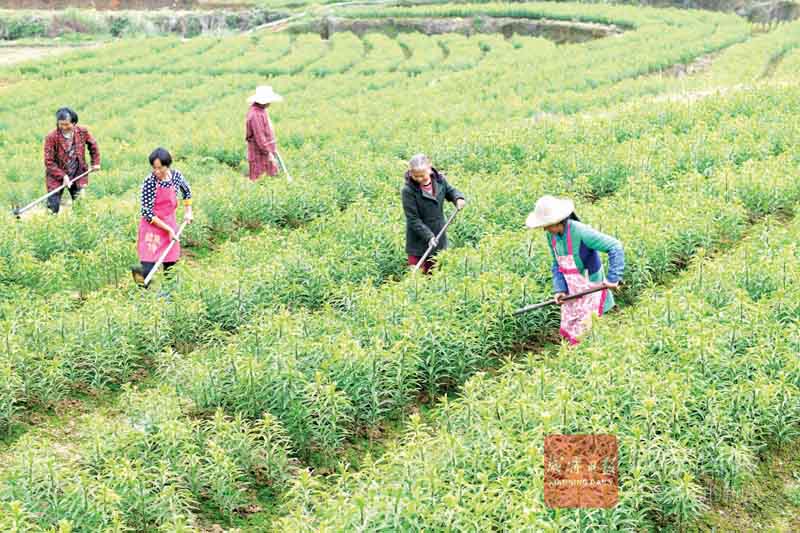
x,y
424,193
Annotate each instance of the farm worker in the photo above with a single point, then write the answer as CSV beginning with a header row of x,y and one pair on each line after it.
x,y
261,144
576,263
65,156
159,204
423,194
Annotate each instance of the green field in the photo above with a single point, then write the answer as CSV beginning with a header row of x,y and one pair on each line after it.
x,y
299,378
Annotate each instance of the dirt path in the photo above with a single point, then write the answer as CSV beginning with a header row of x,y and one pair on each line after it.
x,y
11,54
698,66
774,61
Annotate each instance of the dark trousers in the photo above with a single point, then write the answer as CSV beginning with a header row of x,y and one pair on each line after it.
x,y
147,267
54,202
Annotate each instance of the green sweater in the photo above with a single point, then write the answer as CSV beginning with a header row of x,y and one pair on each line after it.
x,y
586,243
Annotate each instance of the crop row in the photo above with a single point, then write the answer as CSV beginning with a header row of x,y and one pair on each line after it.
x,y
322,376
695,382
588,55
762,58
150,468
27,249
498,206
432,336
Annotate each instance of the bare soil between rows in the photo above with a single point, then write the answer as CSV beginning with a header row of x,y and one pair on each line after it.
x,y
10,55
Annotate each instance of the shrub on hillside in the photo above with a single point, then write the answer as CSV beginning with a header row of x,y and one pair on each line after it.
x,y
22,27
119,25
73,21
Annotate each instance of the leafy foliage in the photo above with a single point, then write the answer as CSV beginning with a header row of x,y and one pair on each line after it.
x,y
294,329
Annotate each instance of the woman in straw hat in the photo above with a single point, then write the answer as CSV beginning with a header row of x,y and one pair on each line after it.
x,y
576,263
261,144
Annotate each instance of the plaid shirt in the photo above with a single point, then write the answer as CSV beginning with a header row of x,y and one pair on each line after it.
x,y
57,155
260,142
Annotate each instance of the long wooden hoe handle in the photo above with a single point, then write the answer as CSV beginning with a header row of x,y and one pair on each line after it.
x,y
552,301
17,212
283,166
438,236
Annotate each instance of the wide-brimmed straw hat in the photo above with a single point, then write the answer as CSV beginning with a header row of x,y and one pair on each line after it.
x,y
549,210
265,95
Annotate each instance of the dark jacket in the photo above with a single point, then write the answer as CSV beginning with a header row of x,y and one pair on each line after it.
x,y
425,213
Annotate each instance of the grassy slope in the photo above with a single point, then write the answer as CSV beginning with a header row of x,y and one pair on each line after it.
x,y
771,502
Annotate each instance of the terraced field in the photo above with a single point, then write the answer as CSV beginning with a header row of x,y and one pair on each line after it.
x,y
300,379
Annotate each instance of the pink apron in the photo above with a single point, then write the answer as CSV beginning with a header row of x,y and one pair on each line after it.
x,y
575,313
154,240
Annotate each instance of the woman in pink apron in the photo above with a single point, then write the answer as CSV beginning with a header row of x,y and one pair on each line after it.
x,y
159,204
576,264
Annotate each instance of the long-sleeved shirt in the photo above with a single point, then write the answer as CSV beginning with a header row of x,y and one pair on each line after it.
x,y
175,180
586,243
261,142
57,155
